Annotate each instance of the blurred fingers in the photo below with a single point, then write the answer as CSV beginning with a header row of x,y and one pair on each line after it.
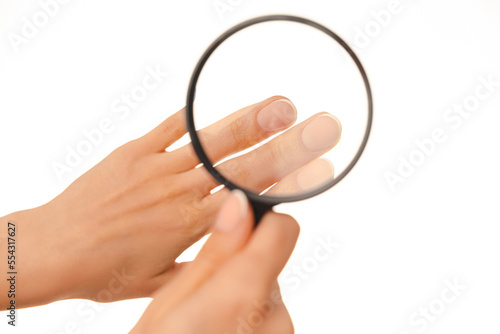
x,y
239,131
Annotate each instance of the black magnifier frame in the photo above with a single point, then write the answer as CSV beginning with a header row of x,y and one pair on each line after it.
x,y
261,203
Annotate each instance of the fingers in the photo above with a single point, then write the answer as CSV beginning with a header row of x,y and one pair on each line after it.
x,y
277,322
232,275
244,285
165,134
149,287
247,282
261,168
265,255
260,262
267,252
268,164
240,130
305,179
234,309
231,231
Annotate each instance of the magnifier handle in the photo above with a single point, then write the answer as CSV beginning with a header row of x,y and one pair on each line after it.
x,y
259,210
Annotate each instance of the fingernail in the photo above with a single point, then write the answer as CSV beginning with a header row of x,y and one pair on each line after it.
x,y
277,116
322,133
233,211
315,175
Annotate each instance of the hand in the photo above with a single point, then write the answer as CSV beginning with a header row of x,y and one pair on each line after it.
x,y
231,287
116,231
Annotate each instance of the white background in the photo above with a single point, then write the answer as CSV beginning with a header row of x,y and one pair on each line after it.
x,y
397,246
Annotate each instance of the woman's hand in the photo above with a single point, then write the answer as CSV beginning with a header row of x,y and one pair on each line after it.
x,y
116,231
231,287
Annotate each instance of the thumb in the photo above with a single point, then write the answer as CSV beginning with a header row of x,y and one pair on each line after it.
x,y
231,232
232,229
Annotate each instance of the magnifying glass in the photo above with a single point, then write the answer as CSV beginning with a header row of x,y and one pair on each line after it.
x,y
303,87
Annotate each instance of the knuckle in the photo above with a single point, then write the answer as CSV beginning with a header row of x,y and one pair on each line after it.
x,y
236,169
168,189
238,131
123,162
193,212
171,127
277,155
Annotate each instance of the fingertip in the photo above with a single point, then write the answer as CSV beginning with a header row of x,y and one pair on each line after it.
x,y
321,133
233,212
277,114
315,174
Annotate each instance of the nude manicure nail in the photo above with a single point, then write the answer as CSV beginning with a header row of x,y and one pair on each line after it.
x,y
233,211
315,175
277,116
322,133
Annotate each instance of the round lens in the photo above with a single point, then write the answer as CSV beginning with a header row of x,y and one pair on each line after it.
x,y
279,107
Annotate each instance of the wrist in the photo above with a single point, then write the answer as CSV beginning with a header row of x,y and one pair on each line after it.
x,y
43,256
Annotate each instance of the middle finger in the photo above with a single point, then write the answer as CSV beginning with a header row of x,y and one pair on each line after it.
x,y
259,169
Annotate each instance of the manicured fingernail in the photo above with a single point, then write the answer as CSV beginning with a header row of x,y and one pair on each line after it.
x,y
322,133
315,175
233,211
277,116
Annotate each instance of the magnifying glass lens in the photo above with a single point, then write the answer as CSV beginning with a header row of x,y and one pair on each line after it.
x,y
280,110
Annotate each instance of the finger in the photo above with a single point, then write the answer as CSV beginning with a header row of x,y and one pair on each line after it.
x,y
234,311
259,263
268,164
261,168
149,287
277,318
213,203
278,322
247,280
200,214
269,249
305,179
165,134
231,232
240,130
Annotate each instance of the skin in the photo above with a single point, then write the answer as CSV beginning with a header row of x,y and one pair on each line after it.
x,y
232,284
116,231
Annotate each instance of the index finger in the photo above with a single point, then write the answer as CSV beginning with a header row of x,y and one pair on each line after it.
x,y
240,130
